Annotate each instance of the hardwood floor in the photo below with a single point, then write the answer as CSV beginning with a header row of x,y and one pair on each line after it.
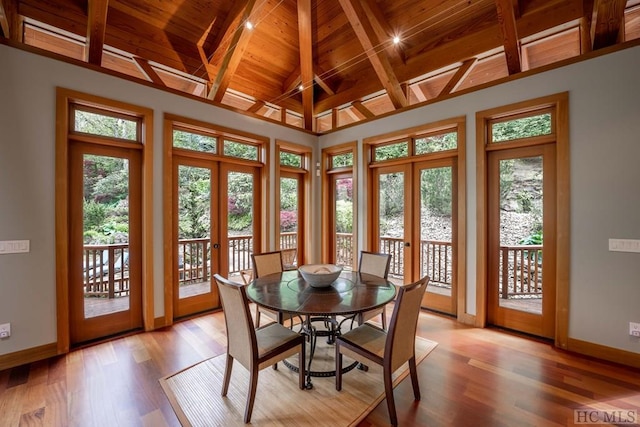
x,y
476,377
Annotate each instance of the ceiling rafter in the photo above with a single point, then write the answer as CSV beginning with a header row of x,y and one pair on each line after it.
x,y
10,19
148,70
203,55
256,106
507,22
383,30
96,29
364,111
306,61
362,27
461,73
232,56
222,39
606,22
323,84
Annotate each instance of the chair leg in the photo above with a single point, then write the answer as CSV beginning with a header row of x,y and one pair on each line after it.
x,y
414,378
388,392
257,316
384,318
253,385
338,367
227,375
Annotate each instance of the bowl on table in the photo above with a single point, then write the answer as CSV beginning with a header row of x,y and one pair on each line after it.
x,y
320,275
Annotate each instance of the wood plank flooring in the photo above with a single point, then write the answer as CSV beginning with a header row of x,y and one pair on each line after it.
x,y
476,377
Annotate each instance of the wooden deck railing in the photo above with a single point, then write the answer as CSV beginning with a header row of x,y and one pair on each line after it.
x,y
106,267
521,270
106,270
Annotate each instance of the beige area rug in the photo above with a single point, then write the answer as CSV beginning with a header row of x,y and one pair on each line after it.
x,y
194,393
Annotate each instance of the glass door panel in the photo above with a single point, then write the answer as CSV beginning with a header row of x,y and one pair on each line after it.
x,y
521,271
239,211
437,211
392,226
289,219
105,296
195,231
343,214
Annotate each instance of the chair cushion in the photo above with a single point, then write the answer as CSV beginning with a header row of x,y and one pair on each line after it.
x,y
273,336
368,337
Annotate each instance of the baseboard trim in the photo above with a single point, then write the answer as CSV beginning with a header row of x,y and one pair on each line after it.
x,y
29,355
598,351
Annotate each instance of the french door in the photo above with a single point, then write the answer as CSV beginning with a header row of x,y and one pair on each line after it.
x,y
341,241
105,292
414,217
214,228
521,243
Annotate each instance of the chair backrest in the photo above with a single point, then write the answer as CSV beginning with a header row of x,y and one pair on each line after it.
x,y
375,264
401,337
241,335
289,257
267,263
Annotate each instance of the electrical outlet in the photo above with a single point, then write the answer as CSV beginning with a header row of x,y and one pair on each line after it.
x,y
634,329
5,330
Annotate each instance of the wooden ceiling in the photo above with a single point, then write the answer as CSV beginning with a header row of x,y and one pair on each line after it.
x,y
316,57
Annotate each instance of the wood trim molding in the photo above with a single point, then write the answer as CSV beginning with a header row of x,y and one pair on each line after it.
x,y
603,352
29,355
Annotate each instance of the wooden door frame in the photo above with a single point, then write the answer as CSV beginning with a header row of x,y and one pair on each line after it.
x,y
560,104
263,222
64,99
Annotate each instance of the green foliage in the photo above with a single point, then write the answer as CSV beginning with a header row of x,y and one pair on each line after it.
x,y
522,128
94,214
240,150
436,190
533,239
434,143
391,151
344,216
290,159
391,194
194,214
104,125
288,194
240,222
194,141
342,160
525,201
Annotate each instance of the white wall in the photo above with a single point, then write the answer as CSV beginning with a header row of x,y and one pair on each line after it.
x,y
27,175
604,97
604,104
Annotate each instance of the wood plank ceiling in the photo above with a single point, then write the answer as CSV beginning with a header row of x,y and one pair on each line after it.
x,y
314,57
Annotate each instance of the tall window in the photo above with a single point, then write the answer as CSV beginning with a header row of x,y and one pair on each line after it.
x,y
292,201
339,202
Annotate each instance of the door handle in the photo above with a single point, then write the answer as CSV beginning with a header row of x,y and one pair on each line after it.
x,y
216,246
407,244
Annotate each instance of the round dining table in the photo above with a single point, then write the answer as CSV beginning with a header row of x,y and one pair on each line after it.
x,y
351,293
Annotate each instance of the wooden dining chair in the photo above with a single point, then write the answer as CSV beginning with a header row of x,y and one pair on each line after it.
x,y
255,349
376,264
264,264
388,349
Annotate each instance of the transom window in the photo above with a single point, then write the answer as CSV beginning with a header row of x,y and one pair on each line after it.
x,y
194,141
105,123
240,150
391,151
526,125
288,158
341,160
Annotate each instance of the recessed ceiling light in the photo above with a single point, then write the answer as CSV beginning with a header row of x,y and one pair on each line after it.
x,y
396,39
249,25
301,88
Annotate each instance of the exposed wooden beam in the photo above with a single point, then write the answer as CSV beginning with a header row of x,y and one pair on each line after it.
x,y
418,92
507,22
586,44
606,22
362,27
233,55
323,84
10,20
148,70
366,113
96,29
306,60
256,107
334,118
384,32
203,55
461,73
222,40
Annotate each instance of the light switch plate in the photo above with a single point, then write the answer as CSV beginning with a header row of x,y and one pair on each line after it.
x,y
14,246
624,245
